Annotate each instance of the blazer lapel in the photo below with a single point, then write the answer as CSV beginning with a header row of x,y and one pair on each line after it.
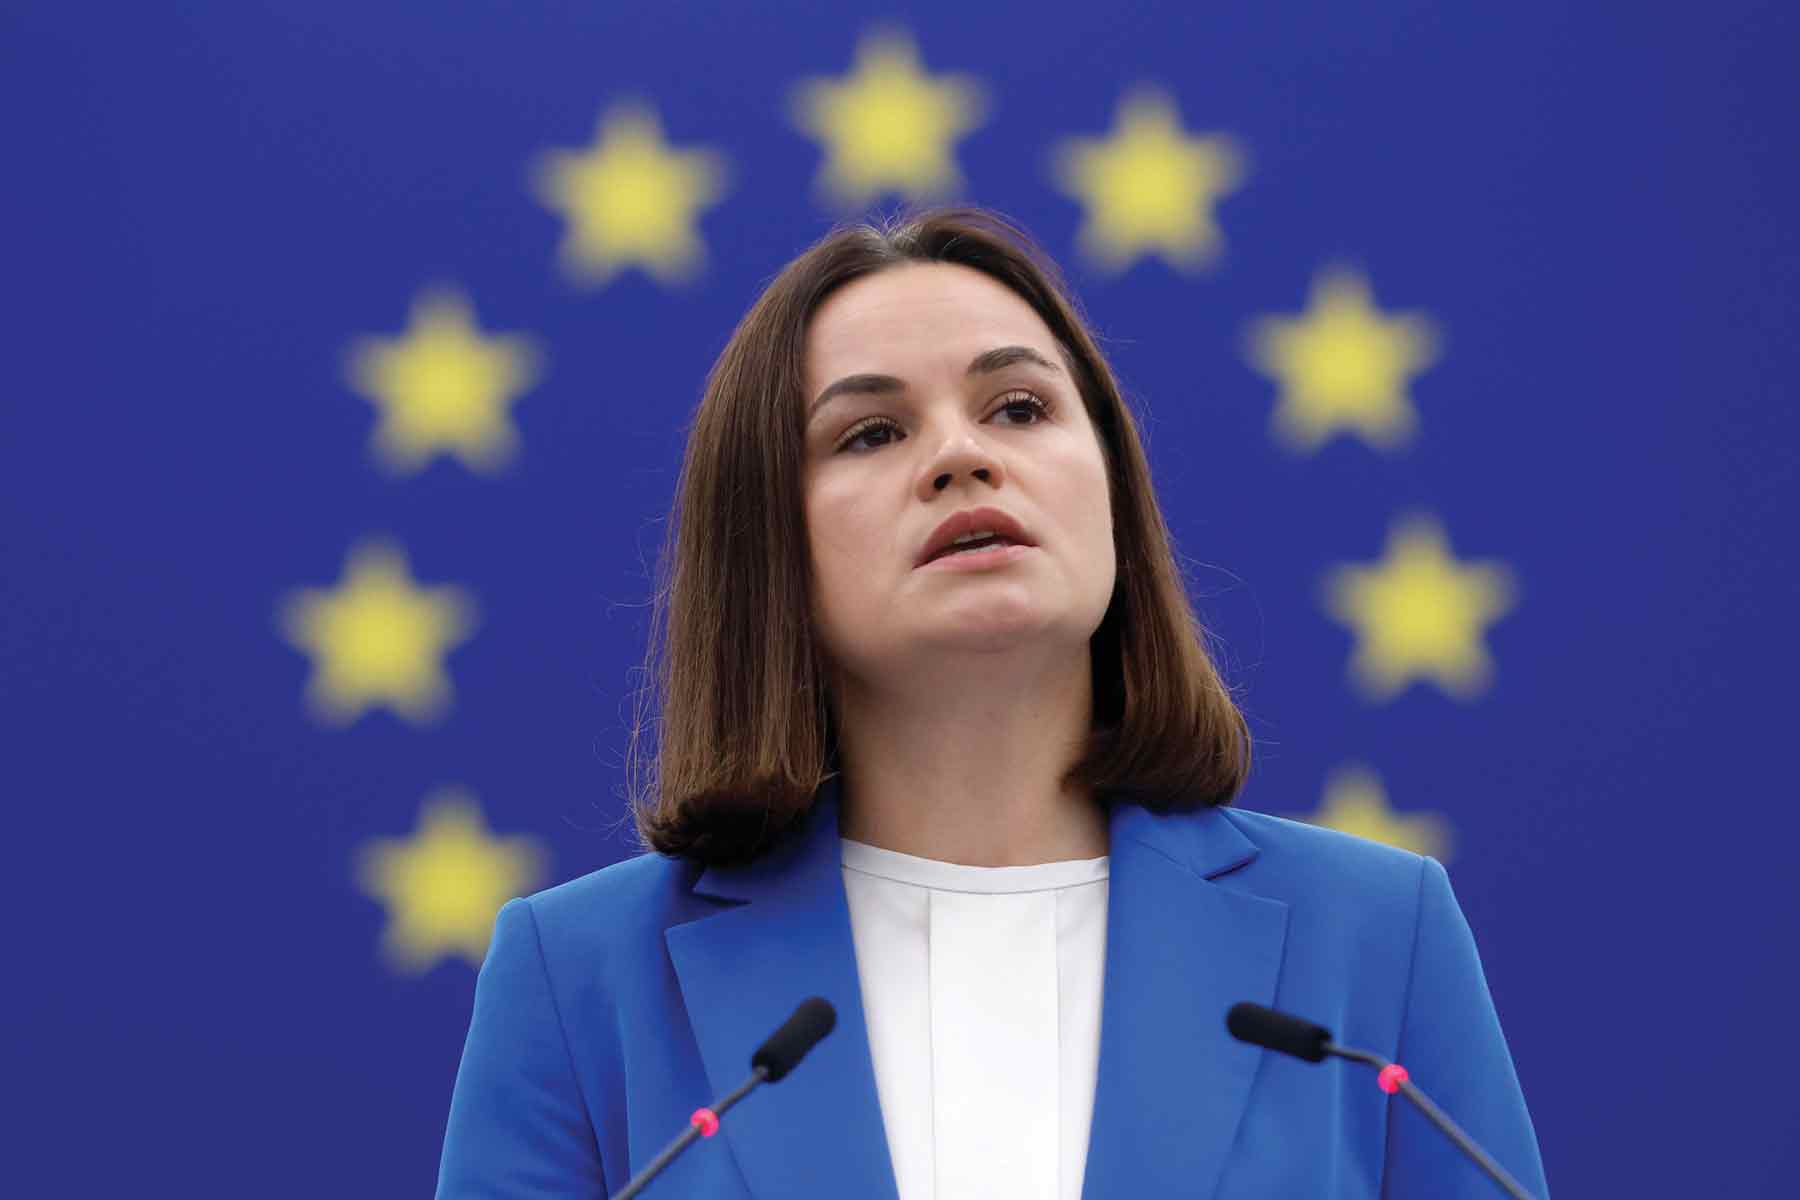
x,y
1180,951
742,971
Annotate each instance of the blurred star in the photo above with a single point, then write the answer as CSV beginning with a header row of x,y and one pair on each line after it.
x,y
444,885
887,126
443,387
377,639
630,199
1148,187
1342,366
1418,614
1356,803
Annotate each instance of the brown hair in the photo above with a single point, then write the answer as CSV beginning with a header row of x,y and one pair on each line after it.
x,y
738,683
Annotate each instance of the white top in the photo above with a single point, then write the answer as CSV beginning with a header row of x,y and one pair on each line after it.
x,y
981,990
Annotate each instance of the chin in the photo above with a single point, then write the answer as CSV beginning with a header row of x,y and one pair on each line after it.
x,y
994,629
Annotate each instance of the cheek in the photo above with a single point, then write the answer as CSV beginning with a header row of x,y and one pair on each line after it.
x,y
842,542
1090,504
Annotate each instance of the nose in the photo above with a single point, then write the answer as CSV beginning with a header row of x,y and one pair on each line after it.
x,y
961,456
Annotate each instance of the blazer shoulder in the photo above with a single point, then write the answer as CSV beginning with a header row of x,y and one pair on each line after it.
x,y
1317,858
646,892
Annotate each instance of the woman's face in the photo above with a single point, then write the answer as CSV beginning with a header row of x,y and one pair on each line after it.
x,y
975,396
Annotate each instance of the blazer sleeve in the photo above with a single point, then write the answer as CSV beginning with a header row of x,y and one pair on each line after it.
x,y
1451,1045
518,1124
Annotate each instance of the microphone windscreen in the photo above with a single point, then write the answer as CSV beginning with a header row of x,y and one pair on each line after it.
x,y
1277,1031
788,1045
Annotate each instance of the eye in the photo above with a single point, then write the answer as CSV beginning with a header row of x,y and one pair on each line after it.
x,y
1028,402
864,429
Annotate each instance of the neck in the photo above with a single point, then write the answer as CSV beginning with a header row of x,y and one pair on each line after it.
x,y
967,768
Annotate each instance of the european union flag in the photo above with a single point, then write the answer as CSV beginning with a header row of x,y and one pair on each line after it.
x,y
350,353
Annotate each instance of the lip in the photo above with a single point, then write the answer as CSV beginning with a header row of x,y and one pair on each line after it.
x,y
979,560
969,521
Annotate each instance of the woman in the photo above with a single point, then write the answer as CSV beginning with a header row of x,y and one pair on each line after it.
x,y
940,742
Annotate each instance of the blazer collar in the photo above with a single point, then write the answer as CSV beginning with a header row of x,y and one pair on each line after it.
x,y
1172,1085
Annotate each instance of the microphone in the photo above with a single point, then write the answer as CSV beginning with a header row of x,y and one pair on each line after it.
x,y
788,1045
1274,1030
1277,1031
771,1063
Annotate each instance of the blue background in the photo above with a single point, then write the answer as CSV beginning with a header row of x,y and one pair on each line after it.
x,y
204,206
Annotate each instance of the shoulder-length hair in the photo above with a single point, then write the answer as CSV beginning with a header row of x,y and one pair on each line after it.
x,y
732,668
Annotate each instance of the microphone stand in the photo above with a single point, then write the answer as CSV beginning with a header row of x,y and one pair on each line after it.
x,y
703,1123
1393,1078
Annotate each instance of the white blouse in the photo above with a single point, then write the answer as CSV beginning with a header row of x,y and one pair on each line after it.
x,y
981,991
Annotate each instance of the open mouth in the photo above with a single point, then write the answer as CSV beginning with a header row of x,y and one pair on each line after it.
x,y
974,535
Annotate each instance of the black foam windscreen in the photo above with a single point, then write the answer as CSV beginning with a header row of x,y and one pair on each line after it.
x,y
1274,1030
788,1045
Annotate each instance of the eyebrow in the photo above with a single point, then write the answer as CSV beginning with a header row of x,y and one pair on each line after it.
x,y
985,363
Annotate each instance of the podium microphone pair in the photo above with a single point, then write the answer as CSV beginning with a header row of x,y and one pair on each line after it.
x,y
1246,1022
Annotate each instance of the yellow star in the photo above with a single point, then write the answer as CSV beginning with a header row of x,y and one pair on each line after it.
x,y
443,388
1342,366
888,126
1419,614
1356,803
1148,187
631,199
444,885
377,639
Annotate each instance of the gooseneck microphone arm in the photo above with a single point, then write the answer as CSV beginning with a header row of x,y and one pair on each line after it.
x,y
1273,1030
772,1061
704,1123
1393,1078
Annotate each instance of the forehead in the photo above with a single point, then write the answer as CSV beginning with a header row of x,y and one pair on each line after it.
x,y
918,314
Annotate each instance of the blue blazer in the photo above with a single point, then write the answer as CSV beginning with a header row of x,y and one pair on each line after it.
x,y
612,1006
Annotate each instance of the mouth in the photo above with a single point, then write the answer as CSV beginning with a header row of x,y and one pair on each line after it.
x,y
974,533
